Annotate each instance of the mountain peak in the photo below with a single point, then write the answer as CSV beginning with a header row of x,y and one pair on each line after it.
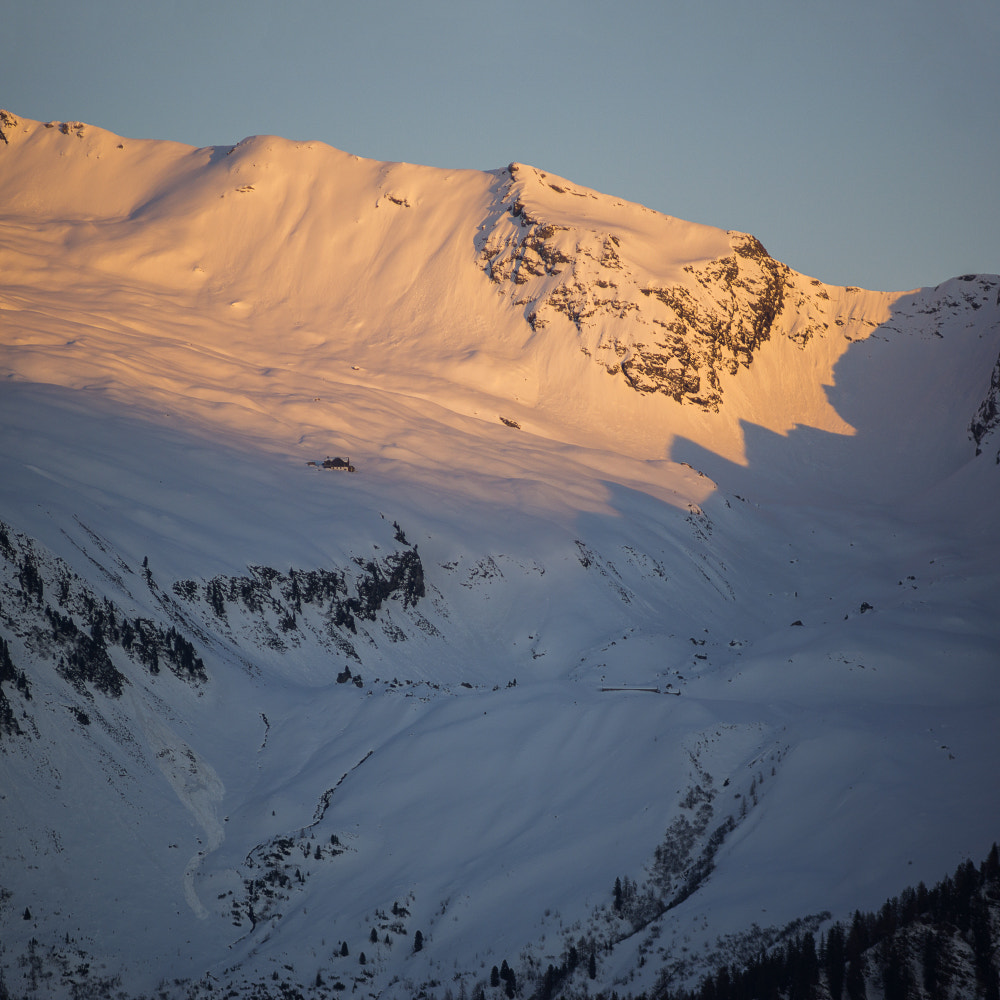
x,y
663,569
668,306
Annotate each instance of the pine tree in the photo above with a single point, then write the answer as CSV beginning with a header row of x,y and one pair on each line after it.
x,y
834,961
895,976
930,955
990,868
855,980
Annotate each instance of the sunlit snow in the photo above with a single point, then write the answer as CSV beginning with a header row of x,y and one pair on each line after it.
x,y
802,580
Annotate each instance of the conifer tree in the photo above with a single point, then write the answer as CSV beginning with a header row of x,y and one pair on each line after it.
x,y
834,961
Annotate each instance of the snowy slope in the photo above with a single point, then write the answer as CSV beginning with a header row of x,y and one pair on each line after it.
x,y
258,709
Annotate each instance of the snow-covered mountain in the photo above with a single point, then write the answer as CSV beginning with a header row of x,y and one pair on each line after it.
x,y
660,612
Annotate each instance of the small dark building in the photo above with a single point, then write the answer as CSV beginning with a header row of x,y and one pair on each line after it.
x,y
338,463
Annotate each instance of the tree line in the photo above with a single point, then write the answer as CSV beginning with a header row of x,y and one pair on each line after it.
x,y
924,943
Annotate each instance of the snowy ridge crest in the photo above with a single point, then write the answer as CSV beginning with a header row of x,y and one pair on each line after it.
x,y
674,338
697,654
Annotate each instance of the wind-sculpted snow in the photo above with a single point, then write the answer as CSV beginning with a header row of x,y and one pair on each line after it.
x,y
656,626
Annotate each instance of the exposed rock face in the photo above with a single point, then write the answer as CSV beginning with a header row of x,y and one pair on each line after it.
x,y
746,294
272,608
987,417
61,619
7,123
680,335
88,639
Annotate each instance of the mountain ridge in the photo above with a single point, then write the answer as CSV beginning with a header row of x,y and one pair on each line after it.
x,y
702,340
573,620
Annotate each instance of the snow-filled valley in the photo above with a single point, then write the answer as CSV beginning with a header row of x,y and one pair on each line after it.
x,y
661,563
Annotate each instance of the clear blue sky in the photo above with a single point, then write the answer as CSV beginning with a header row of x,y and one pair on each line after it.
x,y
859,141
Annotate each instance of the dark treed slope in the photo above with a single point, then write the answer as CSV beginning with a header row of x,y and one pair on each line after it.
x,y
941,943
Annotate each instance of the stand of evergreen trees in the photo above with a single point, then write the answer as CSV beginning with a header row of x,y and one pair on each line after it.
x,y
931,944
10,674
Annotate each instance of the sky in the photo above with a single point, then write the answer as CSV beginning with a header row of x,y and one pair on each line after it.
x,y
859,141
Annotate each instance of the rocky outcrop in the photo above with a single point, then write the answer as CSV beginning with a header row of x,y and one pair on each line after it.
x,y
278,610
50,612
987,417
7,123
671,337
60,620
